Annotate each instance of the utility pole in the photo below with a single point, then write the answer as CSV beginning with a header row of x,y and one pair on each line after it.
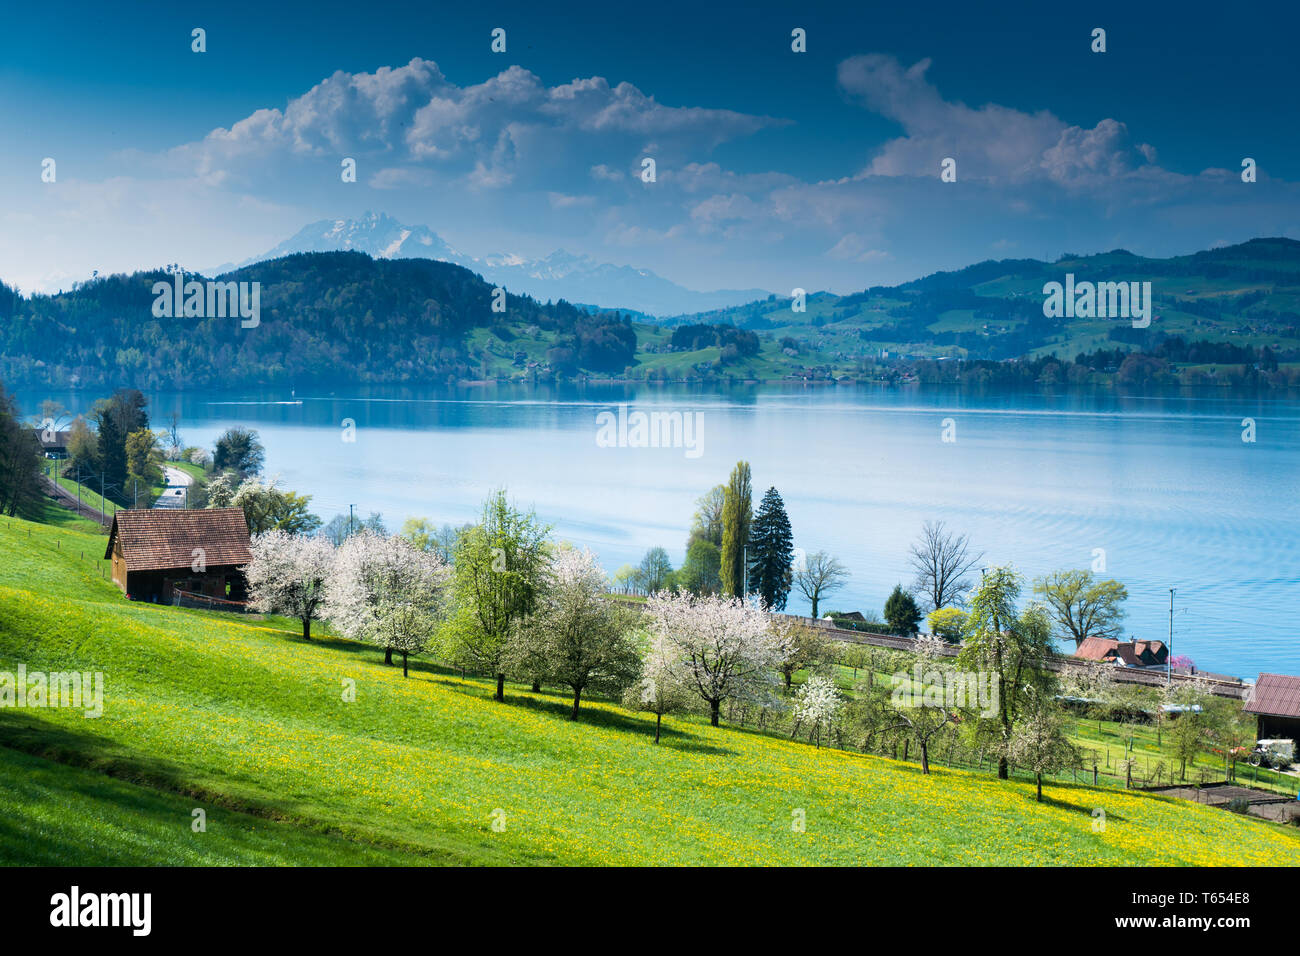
x,y
1169,654
350,507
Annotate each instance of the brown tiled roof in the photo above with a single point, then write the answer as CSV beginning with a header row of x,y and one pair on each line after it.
x,y
1096,648
1276,695
159,539
1137,653
1132,653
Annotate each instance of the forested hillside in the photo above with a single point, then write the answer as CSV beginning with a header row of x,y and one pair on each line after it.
x,y
1246,296
1223,316
325,317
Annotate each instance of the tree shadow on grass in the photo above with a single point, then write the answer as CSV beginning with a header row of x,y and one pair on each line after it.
x,y
1050,801
558,705
158,778
31,734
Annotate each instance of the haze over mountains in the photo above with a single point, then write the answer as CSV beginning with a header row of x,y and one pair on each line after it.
x,y
561,275
350,317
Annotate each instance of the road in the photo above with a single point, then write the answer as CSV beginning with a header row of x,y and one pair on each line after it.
x,y
174,495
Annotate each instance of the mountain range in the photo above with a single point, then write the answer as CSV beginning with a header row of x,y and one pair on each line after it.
x,y
1220,315
578,279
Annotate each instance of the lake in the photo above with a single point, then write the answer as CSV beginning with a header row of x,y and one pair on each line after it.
x,y
1164,485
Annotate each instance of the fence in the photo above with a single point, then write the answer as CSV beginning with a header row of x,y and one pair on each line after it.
x,y
203,602
1219,686
1096,766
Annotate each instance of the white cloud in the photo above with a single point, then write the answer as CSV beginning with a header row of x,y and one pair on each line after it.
x,y
508,129
990,142
513,165
854,248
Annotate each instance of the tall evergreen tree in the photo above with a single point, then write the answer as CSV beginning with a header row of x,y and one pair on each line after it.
x,y
737,512
115,419
771,553
20,462
111,445
901,613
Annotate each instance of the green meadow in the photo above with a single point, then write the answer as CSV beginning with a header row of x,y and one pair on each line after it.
x,y
315,753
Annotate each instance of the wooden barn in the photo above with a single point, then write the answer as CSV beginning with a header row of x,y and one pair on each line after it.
x,y
1275,703
158,552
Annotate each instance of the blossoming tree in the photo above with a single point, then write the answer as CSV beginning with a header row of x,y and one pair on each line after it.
x,y
289,575
726,647
575,636
662,688
817,703
388,593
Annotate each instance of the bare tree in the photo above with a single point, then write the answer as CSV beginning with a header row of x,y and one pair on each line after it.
x,y
942,560
820,575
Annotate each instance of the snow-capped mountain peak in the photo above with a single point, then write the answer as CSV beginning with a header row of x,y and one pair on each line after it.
x,y
561,275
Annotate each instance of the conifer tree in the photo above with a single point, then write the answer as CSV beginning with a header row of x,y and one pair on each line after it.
x,y
771,553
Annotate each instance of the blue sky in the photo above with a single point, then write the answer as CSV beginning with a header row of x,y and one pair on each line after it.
x,y
776,169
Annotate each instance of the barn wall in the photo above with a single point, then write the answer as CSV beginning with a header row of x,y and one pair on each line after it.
x,y
156,586
1279,727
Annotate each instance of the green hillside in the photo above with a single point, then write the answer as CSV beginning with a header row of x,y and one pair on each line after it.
x,y
1247,296
343,317
243,717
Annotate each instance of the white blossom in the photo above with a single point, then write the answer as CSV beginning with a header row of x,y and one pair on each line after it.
x,y
725,647
289,574
928,647
387,592
817,703
575,636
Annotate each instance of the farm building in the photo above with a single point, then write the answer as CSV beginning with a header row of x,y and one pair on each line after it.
x,y
54,444
1125,653
158,552
1276,706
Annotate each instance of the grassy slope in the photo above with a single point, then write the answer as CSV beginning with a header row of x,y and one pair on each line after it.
x,y
243,714
55,815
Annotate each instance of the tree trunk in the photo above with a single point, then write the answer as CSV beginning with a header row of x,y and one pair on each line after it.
x,y
388,657
306,629
659,719
404,671
577,696
1003,769
537,687
713,712
925,757
501,687
814,607
789,680
1039,778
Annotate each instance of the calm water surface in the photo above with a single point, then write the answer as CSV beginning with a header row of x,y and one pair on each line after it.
x,y
1164,485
